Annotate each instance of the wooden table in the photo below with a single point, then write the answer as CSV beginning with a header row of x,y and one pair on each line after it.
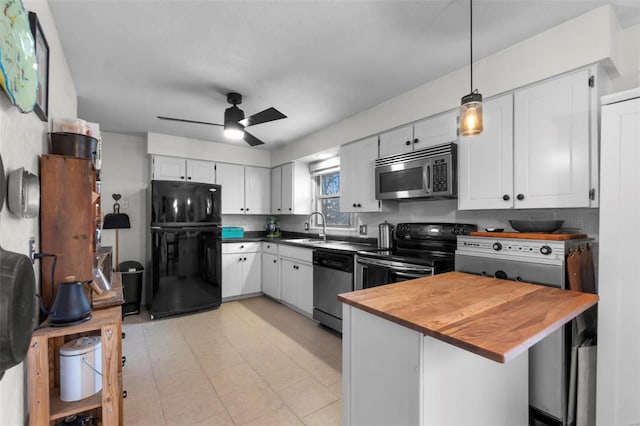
x,y
446,350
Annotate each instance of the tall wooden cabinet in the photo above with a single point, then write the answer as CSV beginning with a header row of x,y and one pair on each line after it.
x,y
69,217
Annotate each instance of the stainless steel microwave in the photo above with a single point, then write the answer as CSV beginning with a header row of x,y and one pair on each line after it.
x,y
429,173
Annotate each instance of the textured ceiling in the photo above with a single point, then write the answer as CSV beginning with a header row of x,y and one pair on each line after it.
x,y
316,61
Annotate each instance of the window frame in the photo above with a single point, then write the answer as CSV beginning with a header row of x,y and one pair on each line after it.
x,y
316,182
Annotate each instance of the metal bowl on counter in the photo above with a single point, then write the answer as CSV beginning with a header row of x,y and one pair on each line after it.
x,y
536,225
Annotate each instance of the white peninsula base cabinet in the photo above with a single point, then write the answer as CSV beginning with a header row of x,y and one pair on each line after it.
x,y
393,375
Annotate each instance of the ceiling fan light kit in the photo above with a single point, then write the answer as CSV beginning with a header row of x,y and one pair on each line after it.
x,y
471,104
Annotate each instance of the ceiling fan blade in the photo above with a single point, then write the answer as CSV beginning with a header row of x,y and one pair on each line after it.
x,y
252,140
182,120
269,114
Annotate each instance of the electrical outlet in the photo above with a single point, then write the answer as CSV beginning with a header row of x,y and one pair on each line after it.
x,y
32,249
125,204
363,229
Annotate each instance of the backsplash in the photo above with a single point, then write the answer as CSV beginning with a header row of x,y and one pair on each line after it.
x,y
582,220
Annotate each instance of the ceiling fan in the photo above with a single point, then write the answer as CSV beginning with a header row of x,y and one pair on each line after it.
x,y
235,121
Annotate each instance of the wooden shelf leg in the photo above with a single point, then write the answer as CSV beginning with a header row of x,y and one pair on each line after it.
x,y
111,361
38,368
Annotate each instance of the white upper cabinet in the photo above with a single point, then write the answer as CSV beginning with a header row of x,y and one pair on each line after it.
x,y
538,150
357,180
276,190
201,171
231,177
245,189
435,130
169,168
257,195
180,169
485,162
293,193
397,141
552,143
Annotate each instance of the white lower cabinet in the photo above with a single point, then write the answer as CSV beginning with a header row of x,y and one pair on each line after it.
x,y
296,277
241,269
393,375
270,270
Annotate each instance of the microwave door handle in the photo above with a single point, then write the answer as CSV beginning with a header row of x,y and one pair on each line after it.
x,y
426,177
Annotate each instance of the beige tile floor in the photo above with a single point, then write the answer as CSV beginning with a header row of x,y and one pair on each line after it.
x,y
249,362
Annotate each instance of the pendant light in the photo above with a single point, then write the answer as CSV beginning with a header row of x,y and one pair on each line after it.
x,y
471,104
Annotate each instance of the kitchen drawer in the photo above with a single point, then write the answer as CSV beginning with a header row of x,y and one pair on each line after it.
x,y
297,253
250,247
270,247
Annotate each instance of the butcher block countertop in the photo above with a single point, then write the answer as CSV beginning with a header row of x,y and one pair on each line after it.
x,y
497,319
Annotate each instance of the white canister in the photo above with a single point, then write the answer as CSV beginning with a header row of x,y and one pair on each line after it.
x,y
80,368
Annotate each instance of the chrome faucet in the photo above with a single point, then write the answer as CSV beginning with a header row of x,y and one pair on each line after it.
x,y
322,235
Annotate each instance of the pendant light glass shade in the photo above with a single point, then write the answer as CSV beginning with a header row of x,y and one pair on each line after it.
x,y
471,114
471,104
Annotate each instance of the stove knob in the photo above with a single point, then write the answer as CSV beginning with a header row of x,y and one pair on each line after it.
x,y
497,246
546,250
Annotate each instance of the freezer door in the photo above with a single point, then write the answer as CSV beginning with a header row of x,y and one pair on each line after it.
x,y
184,203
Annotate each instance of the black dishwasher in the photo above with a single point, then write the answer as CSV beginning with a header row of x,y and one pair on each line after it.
x,y
332,275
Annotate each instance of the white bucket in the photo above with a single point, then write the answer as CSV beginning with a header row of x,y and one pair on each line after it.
x,y
80,368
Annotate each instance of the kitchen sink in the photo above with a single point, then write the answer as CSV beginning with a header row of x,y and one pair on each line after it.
x,y
313,241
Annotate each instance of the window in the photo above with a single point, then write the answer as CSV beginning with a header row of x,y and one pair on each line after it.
x,y
327,199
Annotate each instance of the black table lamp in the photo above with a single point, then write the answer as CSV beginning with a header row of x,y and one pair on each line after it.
x,y
116,220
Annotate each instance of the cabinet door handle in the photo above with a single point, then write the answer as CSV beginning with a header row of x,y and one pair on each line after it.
x,y
289,208
242,246
416,140
359,205
189,178
247,209
182,177
278,209
407,143
354,205
275,261
520,197
244,260
241,209
506,197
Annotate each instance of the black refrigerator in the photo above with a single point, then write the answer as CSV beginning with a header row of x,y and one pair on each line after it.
x,y
186,244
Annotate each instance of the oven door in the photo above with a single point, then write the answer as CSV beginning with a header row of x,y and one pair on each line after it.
x,y
376,272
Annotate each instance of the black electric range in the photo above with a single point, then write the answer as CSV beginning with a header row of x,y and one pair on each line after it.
x,y
419,249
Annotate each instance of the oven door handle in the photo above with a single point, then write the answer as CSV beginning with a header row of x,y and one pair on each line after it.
x,y
406,275
411,271
371,262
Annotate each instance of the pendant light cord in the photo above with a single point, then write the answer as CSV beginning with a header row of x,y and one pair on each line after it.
x,y
471,42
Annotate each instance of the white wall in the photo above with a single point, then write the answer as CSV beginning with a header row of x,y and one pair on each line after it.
x,y
159,144
23,138
587,39
125,171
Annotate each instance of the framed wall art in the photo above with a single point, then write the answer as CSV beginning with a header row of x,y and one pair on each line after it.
x,y
42,58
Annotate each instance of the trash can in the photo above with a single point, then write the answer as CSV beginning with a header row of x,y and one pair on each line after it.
x,y
131,286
